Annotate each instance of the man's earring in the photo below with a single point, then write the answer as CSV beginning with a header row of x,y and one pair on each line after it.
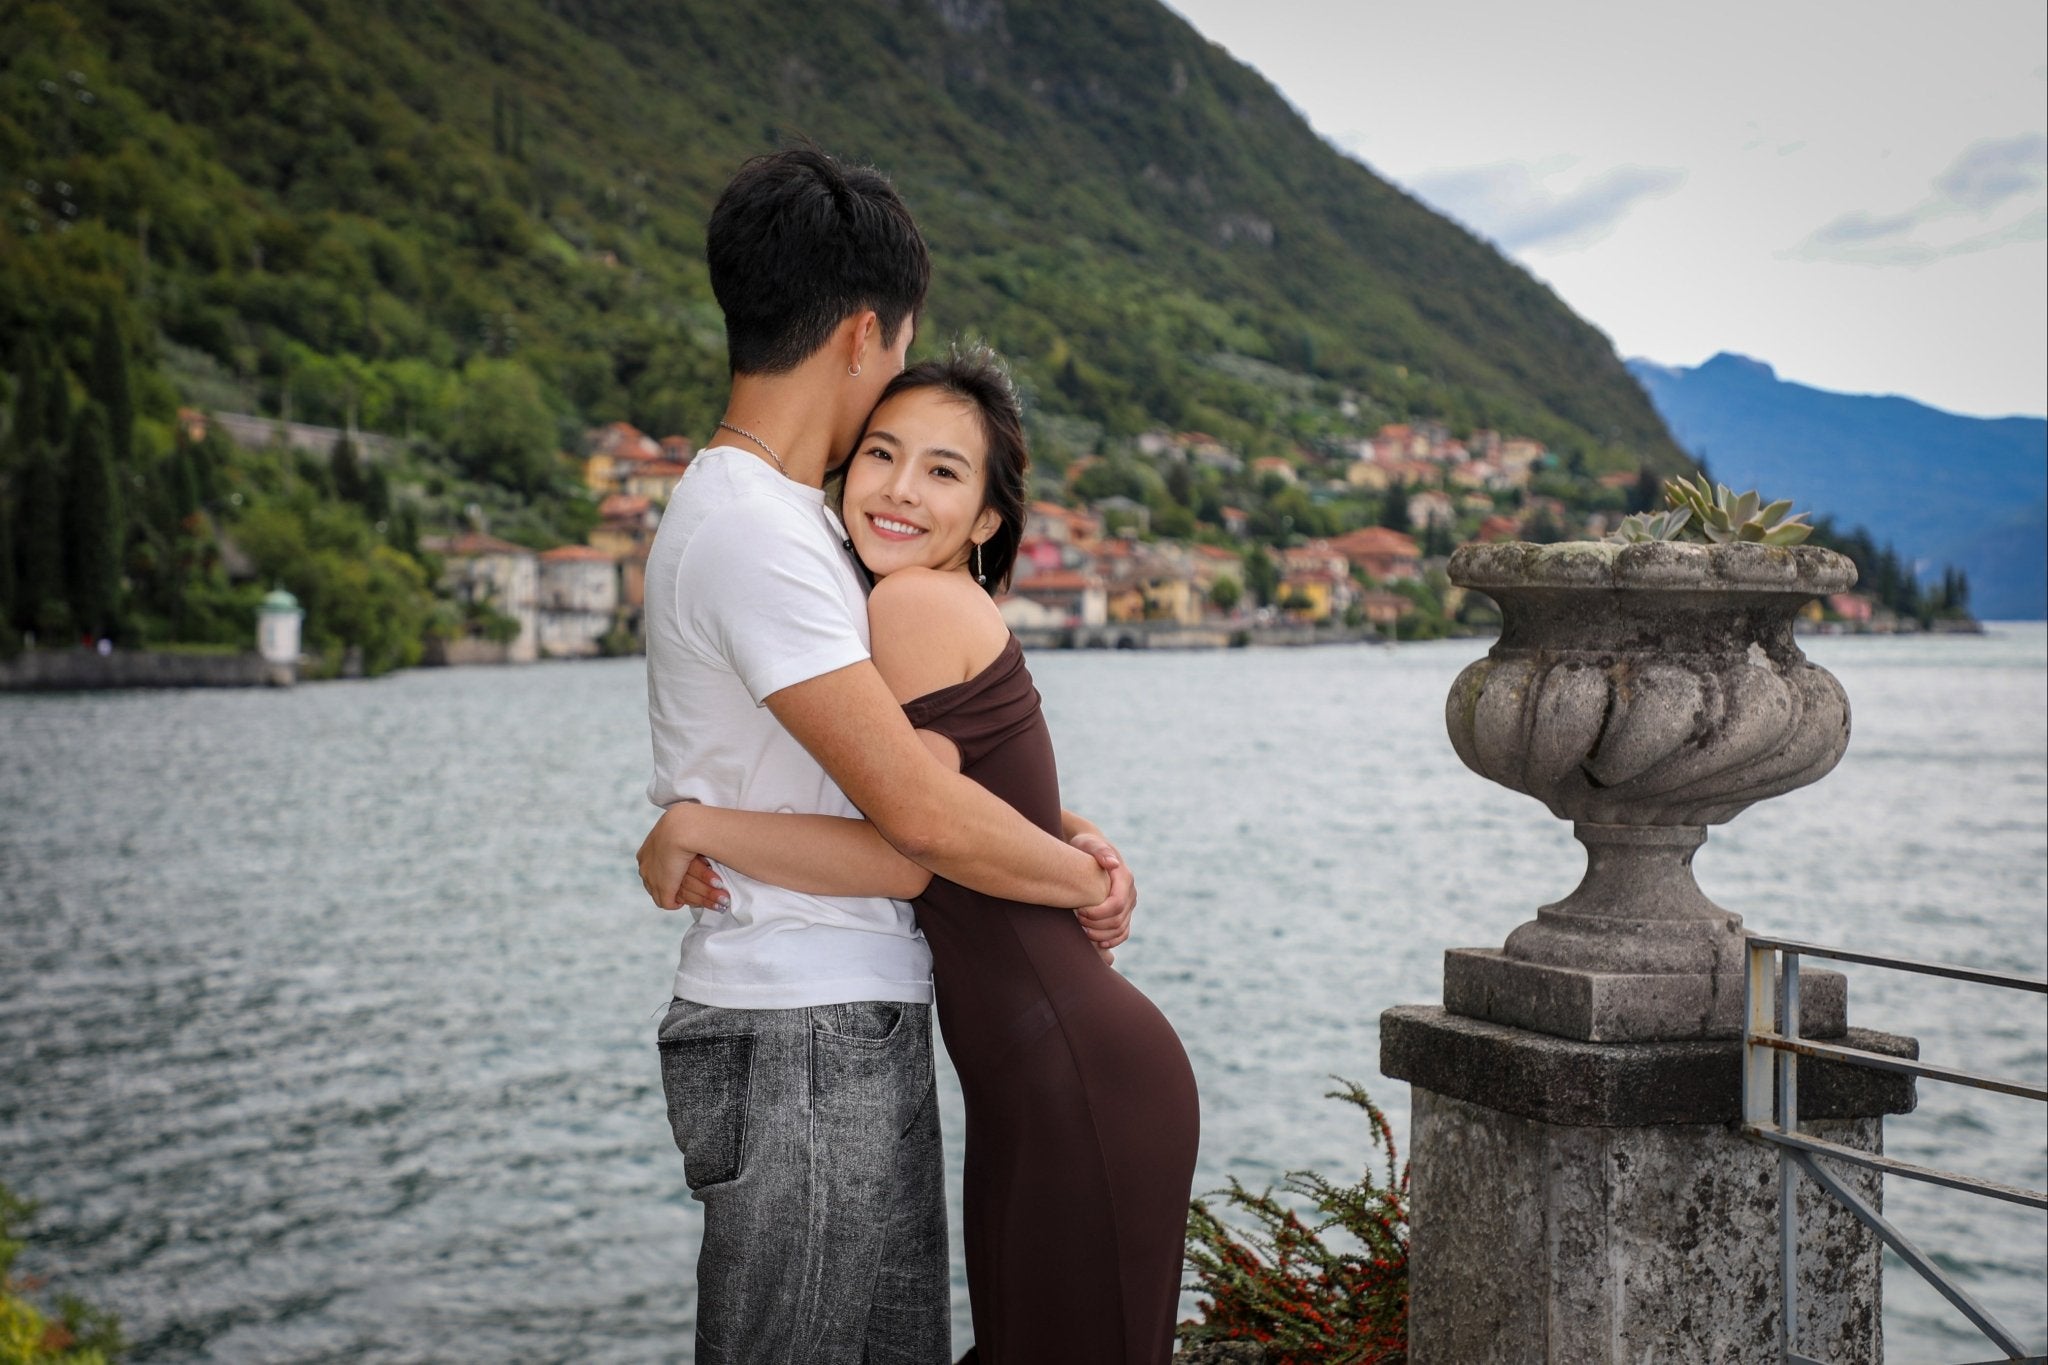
x,y
979,576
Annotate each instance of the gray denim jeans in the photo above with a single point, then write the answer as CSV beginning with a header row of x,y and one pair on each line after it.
x,y
811,1136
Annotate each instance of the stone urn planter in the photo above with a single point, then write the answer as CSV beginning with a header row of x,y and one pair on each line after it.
x,y
1643,692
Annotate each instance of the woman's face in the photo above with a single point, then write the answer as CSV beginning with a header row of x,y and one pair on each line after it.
x,y
916,484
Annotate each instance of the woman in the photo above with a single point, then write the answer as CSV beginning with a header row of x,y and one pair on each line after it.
x,y
1081,1108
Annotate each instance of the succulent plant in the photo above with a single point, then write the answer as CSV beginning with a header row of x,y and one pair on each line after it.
x,y
1725,517
1652,526
1720,517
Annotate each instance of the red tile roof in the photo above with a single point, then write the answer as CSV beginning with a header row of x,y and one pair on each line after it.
x,y
659,469
1375,540
622,505
1062,580
575,554
471,544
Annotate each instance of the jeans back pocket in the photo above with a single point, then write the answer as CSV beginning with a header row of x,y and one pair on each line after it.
x,y
706,1082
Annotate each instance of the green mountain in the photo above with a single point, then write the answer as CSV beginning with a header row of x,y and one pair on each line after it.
x,y
369,209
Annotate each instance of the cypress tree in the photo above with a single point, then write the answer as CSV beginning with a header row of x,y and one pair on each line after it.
x,y
206,457
1394,508
405,531
39,517
109,387
344,471
55,427
1647,494
91,525
8,639
184,483
376,493
31,406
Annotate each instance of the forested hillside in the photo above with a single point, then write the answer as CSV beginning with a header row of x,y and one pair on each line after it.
x,y
480,226
319,203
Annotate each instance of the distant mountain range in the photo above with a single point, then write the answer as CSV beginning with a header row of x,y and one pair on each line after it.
x,y
1943,489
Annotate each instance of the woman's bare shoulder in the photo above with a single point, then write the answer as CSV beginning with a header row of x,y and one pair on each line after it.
x,y
930,629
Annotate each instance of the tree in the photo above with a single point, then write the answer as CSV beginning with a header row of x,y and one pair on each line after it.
x,y
1225,594
376,493
503,431
1394,507
1646,494
345,471
31,406
1542,528
8,639
1261,575
182,477
39,593
92,544
108,385
54,428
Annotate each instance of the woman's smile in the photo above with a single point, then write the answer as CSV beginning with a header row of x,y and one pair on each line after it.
x,y
894,529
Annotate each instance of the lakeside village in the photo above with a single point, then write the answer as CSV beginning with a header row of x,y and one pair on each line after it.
x,y
1098,572
348,553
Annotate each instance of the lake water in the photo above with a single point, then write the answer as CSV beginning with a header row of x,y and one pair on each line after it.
x,y
326,1015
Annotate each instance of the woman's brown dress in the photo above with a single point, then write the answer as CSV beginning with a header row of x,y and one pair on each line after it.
x,y
1081,1110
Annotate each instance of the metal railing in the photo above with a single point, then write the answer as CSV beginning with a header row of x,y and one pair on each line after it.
x,y
1770,1071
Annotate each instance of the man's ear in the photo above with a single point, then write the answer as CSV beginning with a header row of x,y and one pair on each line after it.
x,y
866,327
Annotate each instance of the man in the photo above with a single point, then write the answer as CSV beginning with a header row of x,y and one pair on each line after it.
x,y
796,1058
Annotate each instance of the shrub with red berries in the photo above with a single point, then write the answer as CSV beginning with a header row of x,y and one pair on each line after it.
x,y
1278,1281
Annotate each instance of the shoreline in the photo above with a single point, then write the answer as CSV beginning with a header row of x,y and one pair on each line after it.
x,y
75,669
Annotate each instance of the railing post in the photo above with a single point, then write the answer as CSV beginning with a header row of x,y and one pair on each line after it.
x,y
1788,1172
1760,1000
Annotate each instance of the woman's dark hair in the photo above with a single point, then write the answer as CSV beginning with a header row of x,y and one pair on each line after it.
x,y
977,376
796,244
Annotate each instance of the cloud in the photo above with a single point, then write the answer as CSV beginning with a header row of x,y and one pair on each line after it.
x,y
1509,202
1855,228
1988,175
1990,172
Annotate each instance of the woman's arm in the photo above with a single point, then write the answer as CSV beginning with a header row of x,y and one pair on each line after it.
x,y
822,855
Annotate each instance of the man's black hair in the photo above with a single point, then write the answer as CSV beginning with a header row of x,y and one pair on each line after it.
x,y
796,244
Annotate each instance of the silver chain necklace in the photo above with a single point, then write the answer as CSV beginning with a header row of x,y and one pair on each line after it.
x,y
742,431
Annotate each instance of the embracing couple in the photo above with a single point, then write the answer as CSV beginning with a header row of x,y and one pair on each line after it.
x,y
862,813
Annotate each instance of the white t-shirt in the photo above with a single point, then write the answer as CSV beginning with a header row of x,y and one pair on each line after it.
x,y
750,590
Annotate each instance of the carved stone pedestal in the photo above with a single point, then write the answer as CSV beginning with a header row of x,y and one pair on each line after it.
x,y
1581,1189
1578,1203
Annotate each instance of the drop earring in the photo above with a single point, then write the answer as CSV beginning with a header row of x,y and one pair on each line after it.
x,y
979,576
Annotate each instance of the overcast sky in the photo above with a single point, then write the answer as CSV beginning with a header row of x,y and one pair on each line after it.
x,y
1853,192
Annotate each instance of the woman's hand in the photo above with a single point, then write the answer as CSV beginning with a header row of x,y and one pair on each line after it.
x,y
673,873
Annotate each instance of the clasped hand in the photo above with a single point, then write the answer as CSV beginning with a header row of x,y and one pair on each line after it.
x,y
677,877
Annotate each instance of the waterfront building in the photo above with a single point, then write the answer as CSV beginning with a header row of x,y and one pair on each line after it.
x,y
1385,554
484,570
578,601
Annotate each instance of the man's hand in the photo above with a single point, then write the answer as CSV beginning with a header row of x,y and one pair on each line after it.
x,y
1108,923
674,874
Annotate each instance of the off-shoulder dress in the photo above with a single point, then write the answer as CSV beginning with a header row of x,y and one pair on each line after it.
x,y
1081,1107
